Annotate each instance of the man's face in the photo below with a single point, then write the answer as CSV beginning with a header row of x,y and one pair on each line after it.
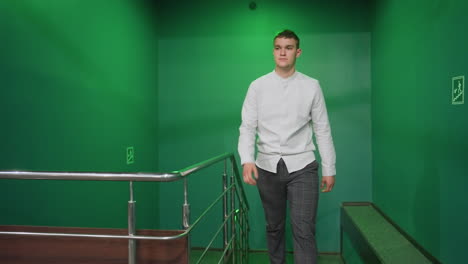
x,y
285,52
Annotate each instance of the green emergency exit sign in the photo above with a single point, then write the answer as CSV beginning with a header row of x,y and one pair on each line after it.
x,y
130,155
458,90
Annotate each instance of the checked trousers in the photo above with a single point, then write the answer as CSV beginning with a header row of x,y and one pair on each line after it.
x,y
300,189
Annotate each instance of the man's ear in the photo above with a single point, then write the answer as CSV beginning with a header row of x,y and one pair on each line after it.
x,y
298,53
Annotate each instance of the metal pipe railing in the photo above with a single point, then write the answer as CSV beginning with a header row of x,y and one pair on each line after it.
x,y
107,176
233,225
148,177
225,222
90,176
131,227
204,164
225,204
243,199
183,234
186,207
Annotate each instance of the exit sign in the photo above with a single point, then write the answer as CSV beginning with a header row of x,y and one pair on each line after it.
x,y
130,155
458,90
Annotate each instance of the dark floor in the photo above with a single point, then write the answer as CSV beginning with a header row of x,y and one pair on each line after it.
x,y
259,258
262,257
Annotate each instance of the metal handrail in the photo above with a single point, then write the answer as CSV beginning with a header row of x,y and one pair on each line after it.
x,y
201,165
90,176
108,176
148,177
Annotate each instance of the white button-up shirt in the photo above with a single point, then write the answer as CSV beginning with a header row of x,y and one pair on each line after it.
x,y
284,114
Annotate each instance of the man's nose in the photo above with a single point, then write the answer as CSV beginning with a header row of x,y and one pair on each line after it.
x,y
283,52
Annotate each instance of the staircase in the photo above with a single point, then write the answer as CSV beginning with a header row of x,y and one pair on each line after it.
x,y
41,245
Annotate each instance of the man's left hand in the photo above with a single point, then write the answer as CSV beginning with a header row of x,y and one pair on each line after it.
x,y
327,183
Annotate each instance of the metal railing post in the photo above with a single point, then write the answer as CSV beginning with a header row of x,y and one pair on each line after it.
x,y
225,209
186,215
186,207
246,234
233,204
241,236
131,228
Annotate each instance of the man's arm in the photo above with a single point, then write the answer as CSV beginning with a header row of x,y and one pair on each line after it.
x,y
248,130
324,140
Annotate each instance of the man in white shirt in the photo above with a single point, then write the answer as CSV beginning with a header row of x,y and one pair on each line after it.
x,y
285,108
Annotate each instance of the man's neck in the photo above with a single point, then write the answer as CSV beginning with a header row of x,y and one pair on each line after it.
x,y
285,73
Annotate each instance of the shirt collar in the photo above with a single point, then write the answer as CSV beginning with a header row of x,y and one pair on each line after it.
x,y
286,80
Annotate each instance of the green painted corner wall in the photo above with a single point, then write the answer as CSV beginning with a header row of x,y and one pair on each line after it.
x,y
206,63
78,86
418,136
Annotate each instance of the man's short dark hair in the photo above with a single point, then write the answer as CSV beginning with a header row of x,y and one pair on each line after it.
x,y
287,34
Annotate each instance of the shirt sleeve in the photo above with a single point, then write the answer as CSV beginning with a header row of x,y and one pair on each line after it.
x,y
248,128
322,130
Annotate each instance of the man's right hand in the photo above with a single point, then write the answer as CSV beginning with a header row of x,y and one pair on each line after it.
x,y
250,173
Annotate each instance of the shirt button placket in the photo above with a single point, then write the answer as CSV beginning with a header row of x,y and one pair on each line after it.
x,y
284,114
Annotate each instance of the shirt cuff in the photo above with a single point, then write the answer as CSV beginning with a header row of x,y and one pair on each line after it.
x,y
328,171
247,160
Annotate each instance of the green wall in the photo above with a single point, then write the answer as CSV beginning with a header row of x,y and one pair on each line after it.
x,y
83,80
209,53
78,86
418,137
